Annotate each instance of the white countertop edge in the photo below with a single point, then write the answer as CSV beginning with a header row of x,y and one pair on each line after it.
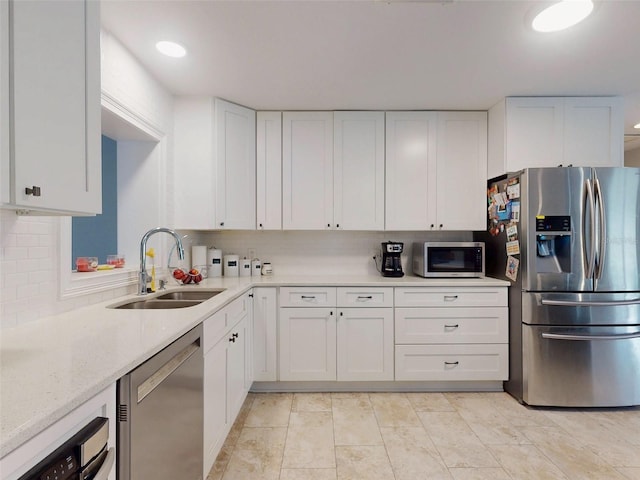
x,y
50,402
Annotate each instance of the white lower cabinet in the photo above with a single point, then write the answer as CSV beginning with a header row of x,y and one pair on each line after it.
x,y
343,334
265,341
451,334
227,375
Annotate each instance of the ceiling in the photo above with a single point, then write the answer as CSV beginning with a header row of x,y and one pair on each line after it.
x,y
381,55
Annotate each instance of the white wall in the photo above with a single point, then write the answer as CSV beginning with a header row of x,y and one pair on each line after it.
x,y
632,158
30,246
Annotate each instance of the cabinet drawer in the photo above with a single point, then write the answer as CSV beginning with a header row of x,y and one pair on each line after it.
x,y
307,297
217,324
451,297
452,362
365,297
451,325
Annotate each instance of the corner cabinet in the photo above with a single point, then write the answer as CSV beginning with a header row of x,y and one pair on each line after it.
x,y
528,132
50,107
436,164
215,165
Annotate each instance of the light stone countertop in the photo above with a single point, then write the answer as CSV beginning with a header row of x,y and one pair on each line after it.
x,y
53,365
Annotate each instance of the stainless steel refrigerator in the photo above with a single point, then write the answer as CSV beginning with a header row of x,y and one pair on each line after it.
x,y
568,240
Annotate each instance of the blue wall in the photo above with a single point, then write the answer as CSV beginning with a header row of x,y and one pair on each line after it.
x,y
98,236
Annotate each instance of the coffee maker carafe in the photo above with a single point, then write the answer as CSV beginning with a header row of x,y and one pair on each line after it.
x,y
391,262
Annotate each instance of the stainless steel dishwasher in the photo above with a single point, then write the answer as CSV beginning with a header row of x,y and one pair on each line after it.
x,y
160,414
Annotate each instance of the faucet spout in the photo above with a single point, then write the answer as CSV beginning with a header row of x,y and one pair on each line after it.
x,y
142,277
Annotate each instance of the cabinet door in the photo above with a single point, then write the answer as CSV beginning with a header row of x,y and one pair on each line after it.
x,y
593,132
534,129
215,402
307,344
235,140
365,344
358,170
269,170
236,355
55,109
461,171
194,171
307,170
265,318
410,173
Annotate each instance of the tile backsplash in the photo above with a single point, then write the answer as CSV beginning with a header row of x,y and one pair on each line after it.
x,y
29,270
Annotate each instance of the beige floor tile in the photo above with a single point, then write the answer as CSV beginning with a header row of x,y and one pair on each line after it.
x,y
623,423
309,441
429,402
412,454
587,427
630,473
354,422
258,454
308,474
311,402
517,414
269,410
393,410
526,462
363,462
479,474
570,455
457,444
350,395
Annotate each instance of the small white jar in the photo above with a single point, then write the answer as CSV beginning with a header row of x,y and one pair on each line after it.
x,y
267,269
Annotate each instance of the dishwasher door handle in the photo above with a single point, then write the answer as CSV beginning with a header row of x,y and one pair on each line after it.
x,y
154,380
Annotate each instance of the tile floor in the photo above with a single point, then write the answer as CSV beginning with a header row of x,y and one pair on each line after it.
x,y
414,436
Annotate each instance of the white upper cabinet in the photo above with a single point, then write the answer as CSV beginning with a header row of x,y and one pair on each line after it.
x,y
358,170
528,132
235,176
461,171
435,171
307,170
215,167
50,107
410,170
269,170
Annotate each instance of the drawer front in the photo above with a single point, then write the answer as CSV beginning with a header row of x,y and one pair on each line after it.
x,y
451,325
452,362
451,297
307,297
365,297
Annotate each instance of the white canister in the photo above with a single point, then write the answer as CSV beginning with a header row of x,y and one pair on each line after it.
x,y
231,265
214,262
256,267
199,259
267,269
245,267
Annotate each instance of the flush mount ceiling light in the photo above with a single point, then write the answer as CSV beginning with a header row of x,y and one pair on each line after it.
x,y
171,49
637,125
561,15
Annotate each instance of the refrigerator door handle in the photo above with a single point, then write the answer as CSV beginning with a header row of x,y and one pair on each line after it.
x,y
560,336
591,256
577,303
602,233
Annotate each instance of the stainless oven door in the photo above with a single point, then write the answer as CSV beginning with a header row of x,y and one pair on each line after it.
x,y
581,366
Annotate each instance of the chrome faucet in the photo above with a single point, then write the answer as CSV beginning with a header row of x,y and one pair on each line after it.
x,y
143,275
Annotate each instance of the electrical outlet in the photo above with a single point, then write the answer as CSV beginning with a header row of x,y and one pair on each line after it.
x,y
251,253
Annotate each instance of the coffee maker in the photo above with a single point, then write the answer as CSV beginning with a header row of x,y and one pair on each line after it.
x,y
391,263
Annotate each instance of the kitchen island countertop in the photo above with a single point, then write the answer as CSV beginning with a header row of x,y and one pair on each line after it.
x,y
52,365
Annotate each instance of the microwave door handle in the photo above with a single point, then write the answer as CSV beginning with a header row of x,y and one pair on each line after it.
x,y
589,204
602,233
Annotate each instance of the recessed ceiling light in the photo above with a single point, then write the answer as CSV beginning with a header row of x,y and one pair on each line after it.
x,y
637,125
171,49
561,15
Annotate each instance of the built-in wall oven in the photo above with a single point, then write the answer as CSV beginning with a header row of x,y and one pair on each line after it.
x,y
85,456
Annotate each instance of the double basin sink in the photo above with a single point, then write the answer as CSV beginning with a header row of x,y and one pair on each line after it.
x,y
177,299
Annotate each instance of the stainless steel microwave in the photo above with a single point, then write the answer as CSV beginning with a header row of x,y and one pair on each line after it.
x,y
448,259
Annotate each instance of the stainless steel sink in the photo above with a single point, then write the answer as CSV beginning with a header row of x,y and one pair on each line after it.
x,y
155,304
190,295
